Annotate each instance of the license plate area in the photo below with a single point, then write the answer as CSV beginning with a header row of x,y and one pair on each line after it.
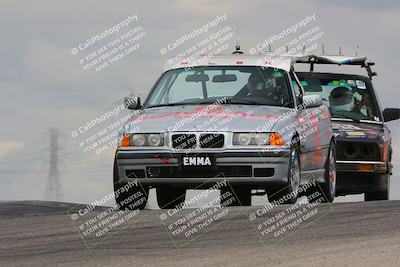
x,y
198,161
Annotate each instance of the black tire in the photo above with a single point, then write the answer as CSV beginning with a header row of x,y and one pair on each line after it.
x,y
170,197
379,195
241,195
129,195
327,189
277,194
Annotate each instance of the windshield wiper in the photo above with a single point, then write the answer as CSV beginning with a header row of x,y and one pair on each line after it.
x,y
242,101
347,117
206,101
166,105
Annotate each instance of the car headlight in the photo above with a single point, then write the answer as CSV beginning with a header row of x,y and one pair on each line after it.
x,y
242,139
142,140
250,139
138,140
154,139
257,139
261,138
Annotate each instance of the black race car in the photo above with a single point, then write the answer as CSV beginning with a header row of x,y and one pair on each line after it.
x,y
363,142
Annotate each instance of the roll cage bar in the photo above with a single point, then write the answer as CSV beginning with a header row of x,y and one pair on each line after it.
x,y
338,60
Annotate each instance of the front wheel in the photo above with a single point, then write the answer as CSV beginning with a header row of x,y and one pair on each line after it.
x,y
326,191
289,193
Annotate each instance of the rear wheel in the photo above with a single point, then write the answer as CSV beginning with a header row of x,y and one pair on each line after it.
x,y
289,193
170,197
327,189
379,195
241,195
129,195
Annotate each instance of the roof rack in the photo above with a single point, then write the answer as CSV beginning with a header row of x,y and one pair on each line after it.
x,y
338,60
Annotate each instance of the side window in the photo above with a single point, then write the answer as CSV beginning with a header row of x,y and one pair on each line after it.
x,y
296,87
159,96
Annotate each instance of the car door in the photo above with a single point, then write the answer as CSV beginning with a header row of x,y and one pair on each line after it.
x,y
313,126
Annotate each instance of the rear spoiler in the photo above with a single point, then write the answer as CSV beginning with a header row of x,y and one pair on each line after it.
x,y
338,60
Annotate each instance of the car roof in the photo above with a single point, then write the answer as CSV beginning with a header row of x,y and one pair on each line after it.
x,y
272,60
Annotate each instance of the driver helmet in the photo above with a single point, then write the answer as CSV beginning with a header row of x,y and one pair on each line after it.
x,y
260,81
341,99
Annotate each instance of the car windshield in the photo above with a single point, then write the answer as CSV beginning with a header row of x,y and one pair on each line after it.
x,y
346,98
247,85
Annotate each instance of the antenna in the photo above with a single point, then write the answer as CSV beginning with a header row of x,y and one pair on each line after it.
x,y
238,36
269,48
237,48
304,48
357,47
340,50
323,49
237,30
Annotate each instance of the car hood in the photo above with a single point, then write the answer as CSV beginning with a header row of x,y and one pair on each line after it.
x,y
233,118
357,131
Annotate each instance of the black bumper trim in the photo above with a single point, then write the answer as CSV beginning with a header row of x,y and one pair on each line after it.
x,y
126,154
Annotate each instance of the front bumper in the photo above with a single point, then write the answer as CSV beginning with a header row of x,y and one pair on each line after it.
x,y
253,168
355,177
362,166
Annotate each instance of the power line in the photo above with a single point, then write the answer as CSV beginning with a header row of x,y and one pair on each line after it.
x,y
23,154
21,172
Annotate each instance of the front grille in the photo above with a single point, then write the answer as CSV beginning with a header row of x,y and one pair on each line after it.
x,y
357,151
134,173
211,140
184,141
264,172
177,172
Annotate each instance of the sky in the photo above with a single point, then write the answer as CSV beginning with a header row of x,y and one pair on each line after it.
x,y
43,84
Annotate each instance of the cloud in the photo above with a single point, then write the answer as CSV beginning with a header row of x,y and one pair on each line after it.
x,y
50,66
395,147
362,4
6,147
207,8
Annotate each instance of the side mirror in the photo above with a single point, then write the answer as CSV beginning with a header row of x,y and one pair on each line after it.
x,y
132,102
391,114
312,101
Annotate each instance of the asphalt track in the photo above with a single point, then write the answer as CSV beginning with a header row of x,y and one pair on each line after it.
x,y
346,234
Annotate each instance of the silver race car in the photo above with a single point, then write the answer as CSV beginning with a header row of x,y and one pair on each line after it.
x,y
238,121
